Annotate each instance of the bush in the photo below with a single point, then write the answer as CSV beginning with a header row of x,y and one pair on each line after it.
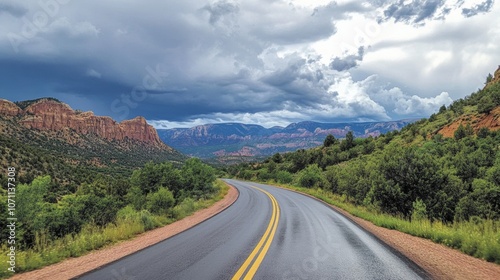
x,y
460,132
160,202
311,177
284,177
135,197
485,105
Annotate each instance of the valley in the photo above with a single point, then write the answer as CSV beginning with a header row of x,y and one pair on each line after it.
x,y
233,142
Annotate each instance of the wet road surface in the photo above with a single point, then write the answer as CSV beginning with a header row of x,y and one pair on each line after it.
x,y
268,233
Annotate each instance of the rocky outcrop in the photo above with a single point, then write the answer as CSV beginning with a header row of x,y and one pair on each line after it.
x,y
9,109
139,129
51,115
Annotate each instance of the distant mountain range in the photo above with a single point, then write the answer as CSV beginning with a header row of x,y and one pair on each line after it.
x,y
83,138
248,140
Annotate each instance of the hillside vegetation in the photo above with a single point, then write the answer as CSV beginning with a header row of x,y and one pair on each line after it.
x,y
69,157
415,180
103,210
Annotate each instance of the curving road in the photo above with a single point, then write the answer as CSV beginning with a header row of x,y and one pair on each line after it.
x,y
268,233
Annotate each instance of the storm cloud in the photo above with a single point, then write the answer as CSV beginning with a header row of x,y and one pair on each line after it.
x,y
348,62
415,11
180,63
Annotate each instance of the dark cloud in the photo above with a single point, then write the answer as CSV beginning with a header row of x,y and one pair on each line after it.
x,y
13,8
300,82
417,12
414,12
348,62
253,61
483,7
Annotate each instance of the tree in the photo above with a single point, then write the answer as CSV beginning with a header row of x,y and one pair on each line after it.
x,y
154,176
311,176
442,109
460,132
469,131
277,158
135,197
348,142
466,166
369,146
332,177
299,160
489,78
271,167
483,132
410,174
198,177
485,105
160,202
493,174
484,201
30,207
329,141
354,180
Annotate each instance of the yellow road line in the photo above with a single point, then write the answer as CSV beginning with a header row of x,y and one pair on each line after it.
x,y
263,245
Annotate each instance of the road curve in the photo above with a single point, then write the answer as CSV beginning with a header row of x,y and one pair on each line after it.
x,y
268,233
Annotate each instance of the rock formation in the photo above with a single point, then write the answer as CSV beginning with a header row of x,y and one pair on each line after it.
x,y
51,115
8,108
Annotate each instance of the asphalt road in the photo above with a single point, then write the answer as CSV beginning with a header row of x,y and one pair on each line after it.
x,y
268,233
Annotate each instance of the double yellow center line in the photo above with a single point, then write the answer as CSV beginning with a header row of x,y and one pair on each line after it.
x,y
260,251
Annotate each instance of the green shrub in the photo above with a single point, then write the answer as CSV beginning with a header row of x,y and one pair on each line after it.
x,y
284,177
160,201
311,176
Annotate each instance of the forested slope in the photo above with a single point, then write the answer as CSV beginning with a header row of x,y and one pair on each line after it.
x,y
415,174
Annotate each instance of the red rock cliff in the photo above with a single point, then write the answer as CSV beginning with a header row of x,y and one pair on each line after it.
x,y
52,115
8,108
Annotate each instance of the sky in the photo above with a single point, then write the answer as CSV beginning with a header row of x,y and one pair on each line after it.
x,y
266,62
